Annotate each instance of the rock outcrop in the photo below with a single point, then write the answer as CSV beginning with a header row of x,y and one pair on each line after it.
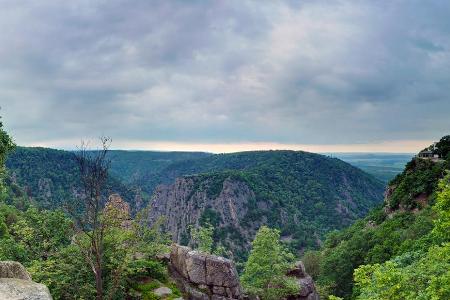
x,y
202,276
305,282
16,284
189,199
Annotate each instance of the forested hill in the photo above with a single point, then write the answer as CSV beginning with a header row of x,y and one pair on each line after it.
x,y
135,167
401,250
309,162
303,194
51,176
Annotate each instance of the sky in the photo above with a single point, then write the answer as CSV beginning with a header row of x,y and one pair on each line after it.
x,y
224,76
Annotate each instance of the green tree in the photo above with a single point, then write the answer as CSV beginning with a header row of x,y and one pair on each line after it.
x,y
408,277
443,146
311,260
416,274
202,237
68,276
265,271
6,146
90,227
442,208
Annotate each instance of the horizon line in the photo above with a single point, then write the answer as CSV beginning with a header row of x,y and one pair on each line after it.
x,y
386,147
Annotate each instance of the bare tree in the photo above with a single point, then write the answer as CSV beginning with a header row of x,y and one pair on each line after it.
x,y
88,206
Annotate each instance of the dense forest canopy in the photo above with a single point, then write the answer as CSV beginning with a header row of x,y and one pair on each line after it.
x,y
383,255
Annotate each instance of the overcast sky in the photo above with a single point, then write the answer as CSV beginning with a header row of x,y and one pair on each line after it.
x,y
226,75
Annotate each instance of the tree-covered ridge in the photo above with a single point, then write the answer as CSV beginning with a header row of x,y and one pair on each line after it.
x,y
132,166
399,233
414,187
51,177
302,194
252,160
422,272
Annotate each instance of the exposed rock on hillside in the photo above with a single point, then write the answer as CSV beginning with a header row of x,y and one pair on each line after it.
x,y
202,276
302,202
305,282
210,277
182,204
16,284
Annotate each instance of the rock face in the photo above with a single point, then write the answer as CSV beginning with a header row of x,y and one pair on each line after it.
x,y
16,284
203,276
184,203
305,282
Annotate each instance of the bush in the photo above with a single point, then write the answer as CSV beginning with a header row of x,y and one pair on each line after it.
x,y
148,268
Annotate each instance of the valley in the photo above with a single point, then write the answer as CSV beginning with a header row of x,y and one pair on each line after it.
x,y
327,212
304,194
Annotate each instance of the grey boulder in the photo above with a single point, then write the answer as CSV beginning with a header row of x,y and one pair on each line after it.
x,y
19,289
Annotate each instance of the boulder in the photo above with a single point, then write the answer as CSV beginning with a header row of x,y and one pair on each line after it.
x,y
196,267
221,272
162,291
305,283
20,289
13,269
178,256
16,284
203,276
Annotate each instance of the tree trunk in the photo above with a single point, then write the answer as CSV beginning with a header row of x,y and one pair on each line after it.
x,y
99,283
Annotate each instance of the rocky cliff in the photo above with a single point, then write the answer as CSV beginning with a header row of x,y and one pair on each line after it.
x,y
202,276
304,197
16,284
189,201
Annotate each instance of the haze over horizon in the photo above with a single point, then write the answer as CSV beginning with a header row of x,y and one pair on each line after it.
x,y
227,76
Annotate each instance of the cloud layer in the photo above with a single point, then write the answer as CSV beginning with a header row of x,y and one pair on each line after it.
x,y
319,72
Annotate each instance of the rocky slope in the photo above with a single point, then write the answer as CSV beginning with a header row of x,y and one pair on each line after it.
x,y
303,194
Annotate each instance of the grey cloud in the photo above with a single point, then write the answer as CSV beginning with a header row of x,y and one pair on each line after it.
x,y
225,71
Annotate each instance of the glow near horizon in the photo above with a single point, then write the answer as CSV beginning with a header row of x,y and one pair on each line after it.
x,y
405,146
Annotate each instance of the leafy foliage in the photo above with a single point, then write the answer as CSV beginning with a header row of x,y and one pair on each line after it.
x,y
416,274
420,178
51,176
443,146
203,238
265,271
392,245
6,146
